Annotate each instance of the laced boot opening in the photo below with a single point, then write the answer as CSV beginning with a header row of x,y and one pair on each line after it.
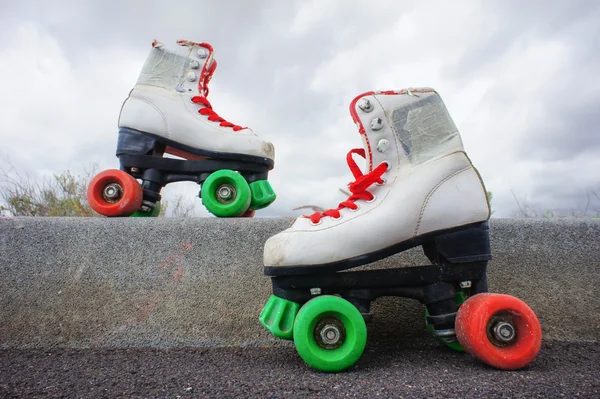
x,y
205,76
358,188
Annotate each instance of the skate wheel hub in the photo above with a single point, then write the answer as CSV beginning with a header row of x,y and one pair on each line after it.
x,y
112,192
330,333
503,332
225,193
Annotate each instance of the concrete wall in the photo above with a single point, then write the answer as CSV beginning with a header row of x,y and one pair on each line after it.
x,y
99,282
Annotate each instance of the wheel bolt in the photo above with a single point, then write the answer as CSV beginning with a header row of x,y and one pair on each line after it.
x,y
330,334
225,192
112,191
504,332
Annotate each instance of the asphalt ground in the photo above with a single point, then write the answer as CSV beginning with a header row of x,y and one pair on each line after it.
x,y
386,369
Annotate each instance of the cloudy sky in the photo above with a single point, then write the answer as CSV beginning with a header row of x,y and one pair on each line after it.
x,y
520,79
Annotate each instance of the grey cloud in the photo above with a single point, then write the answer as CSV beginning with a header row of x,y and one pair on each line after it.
x,y
572,125
270,67
517,20
573,128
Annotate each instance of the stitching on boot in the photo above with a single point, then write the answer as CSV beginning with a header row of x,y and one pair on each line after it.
x,y
157,110
433,190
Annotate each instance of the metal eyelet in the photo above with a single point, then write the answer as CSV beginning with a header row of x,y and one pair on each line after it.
x,y
191,77
365,105
372,199
376,124
383,145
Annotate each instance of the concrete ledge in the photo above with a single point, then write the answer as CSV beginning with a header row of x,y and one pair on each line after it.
x,y
99,282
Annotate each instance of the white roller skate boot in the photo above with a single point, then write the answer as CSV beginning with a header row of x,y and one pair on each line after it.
x,y
418,181
168,112
418,188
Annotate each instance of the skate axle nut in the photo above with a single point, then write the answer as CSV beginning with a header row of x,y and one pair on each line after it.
x,y
504,331
112,192
329,333
225,193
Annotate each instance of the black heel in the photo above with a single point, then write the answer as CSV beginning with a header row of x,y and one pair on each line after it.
x,y
465,245
133,142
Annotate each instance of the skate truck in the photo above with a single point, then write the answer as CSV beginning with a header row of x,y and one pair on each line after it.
x,y
419,189
168,112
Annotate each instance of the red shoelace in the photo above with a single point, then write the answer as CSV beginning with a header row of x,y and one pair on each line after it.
x,y
358,188
212,115
205,77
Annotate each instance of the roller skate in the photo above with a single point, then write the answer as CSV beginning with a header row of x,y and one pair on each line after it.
x,y
419,189
168,112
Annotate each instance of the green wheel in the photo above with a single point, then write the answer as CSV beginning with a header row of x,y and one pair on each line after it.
x,y
330,334
460,299
262,194
152,214
225,193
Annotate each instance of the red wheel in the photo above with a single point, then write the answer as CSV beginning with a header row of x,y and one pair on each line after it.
x,y
248,214
500,330
114,193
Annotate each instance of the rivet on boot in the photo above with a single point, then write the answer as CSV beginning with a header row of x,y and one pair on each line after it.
x,y
376,124
202,53
194,64
365,105
410,93
383,145
191,77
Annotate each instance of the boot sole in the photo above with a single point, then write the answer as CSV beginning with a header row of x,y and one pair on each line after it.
x,y
464,244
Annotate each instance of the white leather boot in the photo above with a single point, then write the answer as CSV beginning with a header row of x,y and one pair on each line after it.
x,y
169,104
418,183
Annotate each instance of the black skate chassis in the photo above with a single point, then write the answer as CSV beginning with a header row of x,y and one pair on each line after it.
x,y
141,155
